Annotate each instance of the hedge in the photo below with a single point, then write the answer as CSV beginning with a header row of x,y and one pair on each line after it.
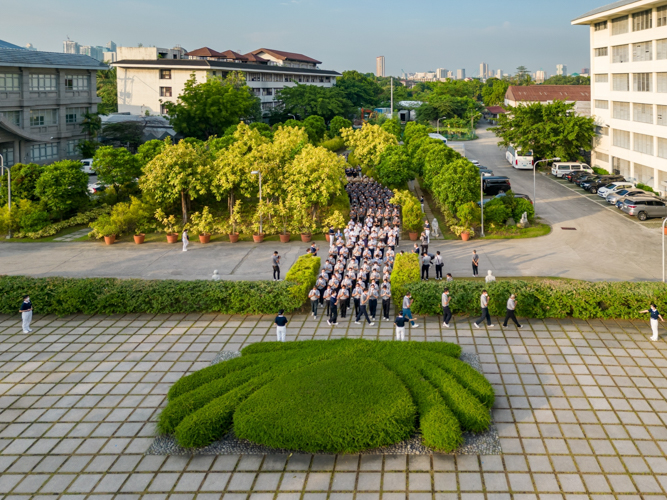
x,y
336,396
304,274
546,298
79,219
406,270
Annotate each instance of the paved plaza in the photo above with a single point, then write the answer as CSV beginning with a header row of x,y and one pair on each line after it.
x,y
580,409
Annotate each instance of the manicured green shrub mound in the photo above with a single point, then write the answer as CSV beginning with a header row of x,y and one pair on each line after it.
x,y
337,396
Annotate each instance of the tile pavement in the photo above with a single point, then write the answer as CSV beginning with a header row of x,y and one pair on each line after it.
x,y
580,409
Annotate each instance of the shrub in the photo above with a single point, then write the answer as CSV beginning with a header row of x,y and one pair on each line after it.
x,y
335,144
496,212
600,171
31,217
645,187
395,167
457,184
522,205
337,124
53,229
406,270
63,188
303,274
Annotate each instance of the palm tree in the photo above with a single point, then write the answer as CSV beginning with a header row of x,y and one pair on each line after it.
x,y
91,124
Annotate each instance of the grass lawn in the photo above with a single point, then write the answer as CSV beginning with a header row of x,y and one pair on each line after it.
x,y
510,233
64,232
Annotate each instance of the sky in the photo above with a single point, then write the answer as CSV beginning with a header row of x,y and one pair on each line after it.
x,y
415,35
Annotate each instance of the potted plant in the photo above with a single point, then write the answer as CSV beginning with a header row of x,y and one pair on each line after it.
x,y
412,217
262,220
138,219
235,222
202,224
468,215
283,216
335,220
105,227
303,223
169,225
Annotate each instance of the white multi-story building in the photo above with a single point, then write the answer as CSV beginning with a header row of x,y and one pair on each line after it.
x,y
147,80
561,70
442,73
484,70
460,74
629,88
379,66
540,76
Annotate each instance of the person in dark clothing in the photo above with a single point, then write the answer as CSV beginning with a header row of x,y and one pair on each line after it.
x,y
276,266
475,263
446,312
426,264
362,309
400,326
511,306
281,326
333,316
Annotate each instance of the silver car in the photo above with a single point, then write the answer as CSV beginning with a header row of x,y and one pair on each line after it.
x,y
615,197
644,207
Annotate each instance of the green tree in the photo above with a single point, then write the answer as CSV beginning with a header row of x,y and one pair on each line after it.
x,y
568,80
393,127
116,167
437,159
315,128
368,143
107,90
395,167
337,124
24,181
494,92
550,130
150,149
129,134
91,125
361,90
457,184
208,108
305,100
63,188
414,130
522,77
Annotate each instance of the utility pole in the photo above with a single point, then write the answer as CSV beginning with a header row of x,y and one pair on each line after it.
x,y
392,97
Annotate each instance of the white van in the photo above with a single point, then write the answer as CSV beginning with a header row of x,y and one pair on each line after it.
x,y
560,169
87,166
438,137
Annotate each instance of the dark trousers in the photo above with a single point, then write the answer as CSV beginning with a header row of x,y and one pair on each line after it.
x,y
276,272
438,271
321,290
446,314
363,312
510,315
385,307
425,271
357,306
313,307
333,317
372,306
424,248
343,307
328,304
475,269
485,315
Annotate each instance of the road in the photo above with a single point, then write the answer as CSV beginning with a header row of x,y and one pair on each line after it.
x,y
604,245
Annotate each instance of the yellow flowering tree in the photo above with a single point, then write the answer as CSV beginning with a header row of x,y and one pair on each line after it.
x,y
368,143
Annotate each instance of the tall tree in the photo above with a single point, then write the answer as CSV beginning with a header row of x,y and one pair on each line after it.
x,y
305,100
494,91
361,90
63,187
368,143
116,167
457,184
107,89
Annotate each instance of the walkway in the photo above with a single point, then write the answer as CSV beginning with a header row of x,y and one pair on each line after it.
x,y
416,188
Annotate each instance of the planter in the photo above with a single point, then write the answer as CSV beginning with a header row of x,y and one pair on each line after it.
x,y
413,236
204,238
172,238
284,238
258,238
465,236
233,237
328,237
110,239
306,237
139,238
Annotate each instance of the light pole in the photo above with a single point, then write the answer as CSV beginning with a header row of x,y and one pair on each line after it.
x,y
437,124
257,172
472,118
290,114
534,176
481,199
9,193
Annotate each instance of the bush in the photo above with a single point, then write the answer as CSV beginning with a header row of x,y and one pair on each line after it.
x,y
63,188
406,270
334,145
30,216
337,124
303,274
331,396
600,171
53,229
395,167
496,212
523,205
645,187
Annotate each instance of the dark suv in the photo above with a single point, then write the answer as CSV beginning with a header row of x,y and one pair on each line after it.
x,y
593,185
583,178
496,184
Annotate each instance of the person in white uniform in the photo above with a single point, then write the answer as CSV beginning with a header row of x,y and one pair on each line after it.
x,y
186,240
26,313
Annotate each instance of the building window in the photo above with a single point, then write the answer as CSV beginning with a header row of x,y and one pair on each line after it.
x,y
662,82
163,110
43,82
328,78
621,110
601,130
602,157
71,147
39,152
621,139
621,82
9,82
13,117
643,143
602,78
642,20
267,91
165,91
641,82
601,104
621,166
165,74
642,113
642,51
43,117
662,16
662,147
75,115
602,25
662,115
620,54
601,51
661,49
7,153
619,25
76,82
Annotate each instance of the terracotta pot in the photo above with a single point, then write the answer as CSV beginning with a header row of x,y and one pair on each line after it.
x,y
234,237
139,238
284,238
327,236
258,238
204,238
413,236
465,236
110,239
306,237
172,238
665,229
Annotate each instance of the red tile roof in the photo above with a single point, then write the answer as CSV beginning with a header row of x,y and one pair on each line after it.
x,y
495,110
204,52
542,93
253,58
293,56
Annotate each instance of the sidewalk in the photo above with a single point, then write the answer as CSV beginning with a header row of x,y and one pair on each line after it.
x,y
416,188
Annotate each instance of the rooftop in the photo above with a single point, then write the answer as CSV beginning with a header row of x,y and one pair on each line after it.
x,y
605,8
38,59
544,93
7,45
292,56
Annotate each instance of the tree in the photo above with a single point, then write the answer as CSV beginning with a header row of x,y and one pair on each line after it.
x,y
63,187
107,90
337,124
414,130
395,167
150,149
180,171
128,134
208,108
393,127
116,166
549,130
24,181
522,77
457,184
568,80
437,159
368,143
361,90
315,128
305,100
494,92
91,125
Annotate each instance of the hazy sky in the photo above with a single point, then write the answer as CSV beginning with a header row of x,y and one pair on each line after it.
x,y
416,35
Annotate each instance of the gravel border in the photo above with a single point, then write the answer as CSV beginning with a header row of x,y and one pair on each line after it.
x,y
485,443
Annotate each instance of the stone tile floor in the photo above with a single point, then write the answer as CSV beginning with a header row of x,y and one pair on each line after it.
x,y
580,409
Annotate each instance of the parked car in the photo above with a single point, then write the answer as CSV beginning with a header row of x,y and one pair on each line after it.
x,y
644,207
571,176
500,195
613,187
88,166
484,171
96,187
583,178
559,169
619,196
594,184
474,162
495,184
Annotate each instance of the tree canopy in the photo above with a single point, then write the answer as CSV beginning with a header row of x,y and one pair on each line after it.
x,y
304,100
107,90
568,80
63,187
368,143
494,91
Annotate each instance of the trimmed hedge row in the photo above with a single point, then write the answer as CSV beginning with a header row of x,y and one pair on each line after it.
x,y
304,273
406,271
543,299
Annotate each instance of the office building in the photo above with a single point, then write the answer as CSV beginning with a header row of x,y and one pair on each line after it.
x,y
483,70
147,79
70,47
585,71
379,66
628,68
540,76
460,74
499,74
561,70
43,99
95,51
580,95
442,73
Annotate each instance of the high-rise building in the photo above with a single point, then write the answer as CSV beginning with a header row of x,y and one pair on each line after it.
x,y
561,70
70,47
585,71
441,73
499,74
460,74
450,74
483,70
111,47
540,76
379,66
94,52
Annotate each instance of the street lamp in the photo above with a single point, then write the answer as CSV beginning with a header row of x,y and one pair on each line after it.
x,y
481,199
9,193
290,114
257,172
534,171
437,124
